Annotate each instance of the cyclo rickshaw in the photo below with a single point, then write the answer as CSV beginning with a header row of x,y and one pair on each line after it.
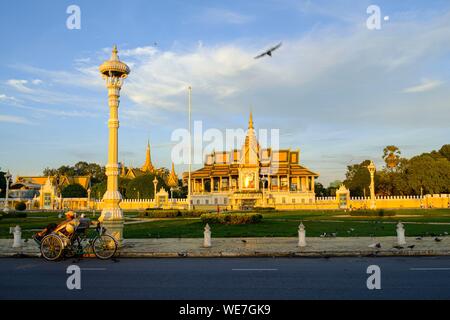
x,y
72,238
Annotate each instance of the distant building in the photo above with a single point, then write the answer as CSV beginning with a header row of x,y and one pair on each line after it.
x,y
146,168
252,177
44,192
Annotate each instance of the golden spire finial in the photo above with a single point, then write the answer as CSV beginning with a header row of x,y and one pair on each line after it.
x,y
172,180
250,121
148,166
114,55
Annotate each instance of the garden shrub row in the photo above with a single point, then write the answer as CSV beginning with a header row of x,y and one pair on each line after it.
x,y
231,218
372,213
160,213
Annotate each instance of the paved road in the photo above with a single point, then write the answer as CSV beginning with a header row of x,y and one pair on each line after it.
x,y
233,278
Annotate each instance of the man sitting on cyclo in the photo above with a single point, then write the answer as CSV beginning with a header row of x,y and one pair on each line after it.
x,y
65,228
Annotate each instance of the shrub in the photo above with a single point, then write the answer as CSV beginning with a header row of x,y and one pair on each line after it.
x,y
372,213
231,218
264,209
20,206
11,215
169,213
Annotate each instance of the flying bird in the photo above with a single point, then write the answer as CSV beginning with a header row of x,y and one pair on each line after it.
x,y
269,52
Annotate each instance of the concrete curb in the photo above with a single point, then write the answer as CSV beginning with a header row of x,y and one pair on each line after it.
x,y
227,254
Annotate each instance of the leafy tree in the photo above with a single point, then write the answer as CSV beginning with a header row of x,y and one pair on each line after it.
x,y
143,186
358,178
2,184
429,172
445,151
320,190
81,168
99,189
74,190
181,191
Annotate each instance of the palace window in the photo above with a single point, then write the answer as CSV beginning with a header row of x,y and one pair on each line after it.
x,y
284,183
274,183
216,184
47,199
225,184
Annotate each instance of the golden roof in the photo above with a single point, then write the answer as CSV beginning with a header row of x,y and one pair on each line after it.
x,y
148,166
172,180
114,67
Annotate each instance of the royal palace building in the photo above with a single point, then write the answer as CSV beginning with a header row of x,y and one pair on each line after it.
x,y
252,177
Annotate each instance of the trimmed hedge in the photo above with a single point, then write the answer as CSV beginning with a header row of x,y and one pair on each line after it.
x,y
231,218
20,206
13,214
159,213
372,213
265,209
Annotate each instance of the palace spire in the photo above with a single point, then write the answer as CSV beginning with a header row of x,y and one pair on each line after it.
x,y
148,166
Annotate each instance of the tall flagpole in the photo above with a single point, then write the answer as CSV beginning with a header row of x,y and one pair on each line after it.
x,y
190,151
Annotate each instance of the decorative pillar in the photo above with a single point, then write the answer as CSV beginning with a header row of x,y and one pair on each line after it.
x,y
207,237
401,234
114,72
301,235
371,168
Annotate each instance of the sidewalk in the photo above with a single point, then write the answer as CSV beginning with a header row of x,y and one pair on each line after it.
x,y
259,247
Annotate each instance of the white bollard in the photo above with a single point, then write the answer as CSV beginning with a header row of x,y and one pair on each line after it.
x,y
301,235
401,234
17,231
207,237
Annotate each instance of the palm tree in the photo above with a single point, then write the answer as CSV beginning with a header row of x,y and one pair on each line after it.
x,y
391,155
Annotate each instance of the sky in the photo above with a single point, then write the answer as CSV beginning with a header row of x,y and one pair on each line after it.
x,y
336,90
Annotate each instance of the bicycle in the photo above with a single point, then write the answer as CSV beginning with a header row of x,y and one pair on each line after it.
x,y
56,245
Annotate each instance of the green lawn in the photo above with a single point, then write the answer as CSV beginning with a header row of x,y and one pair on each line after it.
x,y
275,224
181,228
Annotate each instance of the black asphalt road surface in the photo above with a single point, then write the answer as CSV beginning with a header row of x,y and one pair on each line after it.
x,y
227,278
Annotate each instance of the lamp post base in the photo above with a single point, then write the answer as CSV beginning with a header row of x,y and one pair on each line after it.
x,y
112,220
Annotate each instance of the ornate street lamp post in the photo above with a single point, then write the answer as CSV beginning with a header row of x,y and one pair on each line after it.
x,y
155,184
371,168
8,177
114,72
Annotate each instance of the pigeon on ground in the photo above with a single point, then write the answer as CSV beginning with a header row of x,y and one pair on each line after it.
x,y
437,239
244,241
411,246
375,245
419,238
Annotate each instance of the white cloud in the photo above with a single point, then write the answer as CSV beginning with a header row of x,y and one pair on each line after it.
x,y
13,119
426,85
216,15
5,98
19,85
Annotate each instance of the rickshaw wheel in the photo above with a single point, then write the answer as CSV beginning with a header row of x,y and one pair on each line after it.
x,y
52,247
104,246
